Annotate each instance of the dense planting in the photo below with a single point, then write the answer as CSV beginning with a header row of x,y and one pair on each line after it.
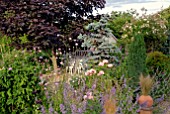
x,y
43,69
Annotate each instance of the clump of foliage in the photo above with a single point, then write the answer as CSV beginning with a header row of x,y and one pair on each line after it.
x,y
152,27
136,58
100,41
161,86
157,60
19,83
166,15
117,20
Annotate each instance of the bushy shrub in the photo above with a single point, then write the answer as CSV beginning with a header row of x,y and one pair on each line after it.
x,y
157,60
152,27
117,20
19,83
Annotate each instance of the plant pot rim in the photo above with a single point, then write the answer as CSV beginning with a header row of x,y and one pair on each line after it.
x,y
146,108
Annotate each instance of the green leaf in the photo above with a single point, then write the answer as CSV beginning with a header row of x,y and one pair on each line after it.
x,y
10,101
9,92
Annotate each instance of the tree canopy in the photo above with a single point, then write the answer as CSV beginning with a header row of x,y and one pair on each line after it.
x,y
46,23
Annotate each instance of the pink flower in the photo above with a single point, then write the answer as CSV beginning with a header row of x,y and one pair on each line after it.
x,y
101,64
100,73
92,49
105,61
9,68
89,95
92,71
87,73
110,65
85,97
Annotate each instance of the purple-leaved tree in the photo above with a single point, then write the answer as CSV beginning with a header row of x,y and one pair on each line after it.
x,y
45,23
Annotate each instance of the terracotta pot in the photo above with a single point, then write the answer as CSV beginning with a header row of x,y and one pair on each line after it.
x,y
146,99
147,108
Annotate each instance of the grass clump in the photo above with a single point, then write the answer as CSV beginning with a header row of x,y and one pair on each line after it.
x,y
146,84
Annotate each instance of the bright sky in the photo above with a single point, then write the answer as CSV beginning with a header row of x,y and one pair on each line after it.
x,y
122,5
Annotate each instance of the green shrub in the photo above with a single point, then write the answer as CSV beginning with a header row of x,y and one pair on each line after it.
x,y
136,59
117,20
157,60
19,83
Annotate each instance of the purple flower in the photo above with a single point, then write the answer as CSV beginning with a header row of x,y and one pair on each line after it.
x,y
43,110
80,110
62,109
138,110
38,102
113,91
158,100
51,110
73,109
94,86
34,92
56,83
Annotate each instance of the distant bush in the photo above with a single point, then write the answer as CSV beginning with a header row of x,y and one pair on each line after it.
x,y
152,27
117,20
157,60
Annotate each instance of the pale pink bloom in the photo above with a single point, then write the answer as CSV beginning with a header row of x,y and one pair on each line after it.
x,y
9,68
92,71
85,97
92,49
90,97
105,61
100,73
87,73
110,65
101,64
61,63
39,51
89,93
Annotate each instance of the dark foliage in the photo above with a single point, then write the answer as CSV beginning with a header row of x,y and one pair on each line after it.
x,y
46,22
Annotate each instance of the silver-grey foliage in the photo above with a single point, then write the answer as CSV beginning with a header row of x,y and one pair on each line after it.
x,y
100,41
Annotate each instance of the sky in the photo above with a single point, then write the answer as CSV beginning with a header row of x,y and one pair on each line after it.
x,y
152,6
